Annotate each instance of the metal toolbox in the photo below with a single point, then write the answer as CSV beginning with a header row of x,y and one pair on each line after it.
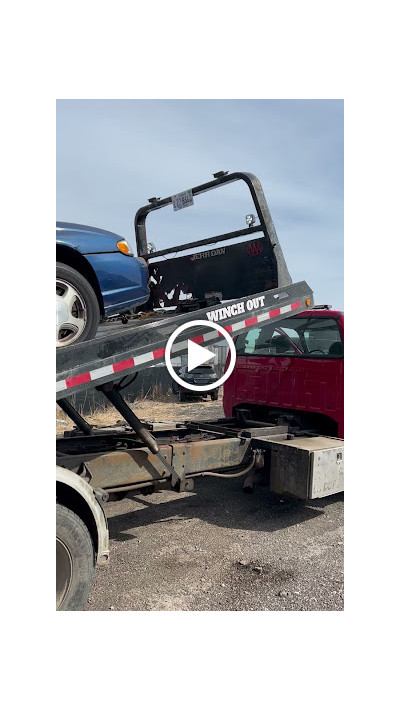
x,y
307,467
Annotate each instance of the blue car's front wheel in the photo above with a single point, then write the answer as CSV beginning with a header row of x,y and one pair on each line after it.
x,y
77,308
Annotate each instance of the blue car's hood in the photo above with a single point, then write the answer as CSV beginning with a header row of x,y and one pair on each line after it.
x,y
86,239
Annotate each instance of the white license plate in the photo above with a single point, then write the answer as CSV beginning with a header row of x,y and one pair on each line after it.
x,y
181,200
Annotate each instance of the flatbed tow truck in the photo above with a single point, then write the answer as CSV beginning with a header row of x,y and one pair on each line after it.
x,y
237,286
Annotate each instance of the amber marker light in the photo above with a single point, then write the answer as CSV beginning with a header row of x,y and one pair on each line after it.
x,y
124,247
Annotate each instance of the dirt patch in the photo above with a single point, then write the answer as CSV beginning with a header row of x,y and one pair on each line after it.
x,y
264,571
219,549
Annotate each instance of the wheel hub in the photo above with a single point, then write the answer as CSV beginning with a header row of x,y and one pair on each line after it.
x,y
61,311
71,313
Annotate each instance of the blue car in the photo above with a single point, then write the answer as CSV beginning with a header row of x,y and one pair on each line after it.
x,y
97,277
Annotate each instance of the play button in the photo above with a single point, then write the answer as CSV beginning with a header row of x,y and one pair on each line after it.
x,y
198,355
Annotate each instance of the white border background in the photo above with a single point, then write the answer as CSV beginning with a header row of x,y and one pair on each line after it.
x,y
208,50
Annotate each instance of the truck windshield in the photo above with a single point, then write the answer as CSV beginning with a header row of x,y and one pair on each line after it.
x,y
315,337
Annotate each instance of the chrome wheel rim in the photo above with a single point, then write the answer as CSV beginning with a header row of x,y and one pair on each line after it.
x,y
63,571
71,313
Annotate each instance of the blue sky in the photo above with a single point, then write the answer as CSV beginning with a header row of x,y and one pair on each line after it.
x,y
112,155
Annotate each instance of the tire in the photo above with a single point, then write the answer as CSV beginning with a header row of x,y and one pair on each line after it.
x,y
214,394
78,311
75,561
182,396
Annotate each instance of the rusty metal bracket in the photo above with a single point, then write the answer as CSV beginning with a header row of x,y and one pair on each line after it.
x,y
176,479
101,495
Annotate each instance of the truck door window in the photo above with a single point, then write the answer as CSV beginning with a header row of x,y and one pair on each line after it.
x,y
301,337
321,338
268,341
246,341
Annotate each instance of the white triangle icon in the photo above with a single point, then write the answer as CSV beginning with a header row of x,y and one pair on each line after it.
x,y
197,355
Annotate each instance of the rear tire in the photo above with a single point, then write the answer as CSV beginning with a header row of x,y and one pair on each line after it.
x,y
182,396
214,394
75,561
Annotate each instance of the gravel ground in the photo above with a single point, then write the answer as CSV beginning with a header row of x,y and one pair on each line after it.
x,y
218,548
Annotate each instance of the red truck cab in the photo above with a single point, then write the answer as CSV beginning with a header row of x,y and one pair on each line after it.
x,y
292,371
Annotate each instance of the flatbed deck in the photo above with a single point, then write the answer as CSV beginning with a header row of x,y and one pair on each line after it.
x,y
111,357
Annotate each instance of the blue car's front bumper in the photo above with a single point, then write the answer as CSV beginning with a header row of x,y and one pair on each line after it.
x,y
123,281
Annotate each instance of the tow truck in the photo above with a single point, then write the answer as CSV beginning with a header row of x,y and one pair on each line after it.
x,y
237,285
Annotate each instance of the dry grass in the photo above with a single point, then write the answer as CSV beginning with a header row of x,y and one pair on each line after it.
x,y
169,409
156,392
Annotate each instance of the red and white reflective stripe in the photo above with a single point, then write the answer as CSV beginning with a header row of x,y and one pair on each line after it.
x,y
122,365
106,370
